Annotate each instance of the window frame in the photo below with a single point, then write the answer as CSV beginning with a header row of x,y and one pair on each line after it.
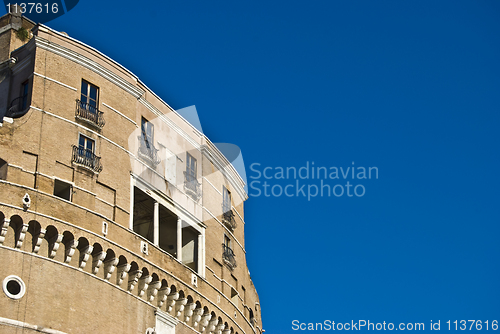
x,y
148,132
226,200
87,96
86,139
191,171
66,183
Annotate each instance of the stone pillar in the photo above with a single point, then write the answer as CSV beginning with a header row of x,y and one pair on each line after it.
x,y
179,239
201,250
156,224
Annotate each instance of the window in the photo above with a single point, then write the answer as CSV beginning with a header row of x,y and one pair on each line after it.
x,y
226,200
86,145
191,184
62,190
89,96
147,150
227,253
190,168
227,241
147,132
83,154
87,108
24,95
227,213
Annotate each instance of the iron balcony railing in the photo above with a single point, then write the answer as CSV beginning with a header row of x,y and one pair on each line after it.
x,y
228,218
86,158
148,151
90,113
192,186
228,256
18,107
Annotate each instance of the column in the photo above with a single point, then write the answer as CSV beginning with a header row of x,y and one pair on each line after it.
x,y
131,221
156,224
179,239
200,254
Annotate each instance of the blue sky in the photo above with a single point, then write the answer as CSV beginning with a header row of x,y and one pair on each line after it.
x,y
409,87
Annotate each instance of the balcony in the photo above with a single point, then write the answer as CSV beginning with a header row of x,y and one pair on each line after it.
x,y
192,186
86,158
228,257
148,152
90,114
228,219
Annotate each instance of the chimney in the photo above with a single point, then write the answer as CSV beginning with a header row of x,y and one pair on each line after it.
x,y
15,11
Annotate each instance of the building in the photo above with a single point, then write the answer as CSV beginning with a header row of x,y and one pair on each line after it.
x,y
115,212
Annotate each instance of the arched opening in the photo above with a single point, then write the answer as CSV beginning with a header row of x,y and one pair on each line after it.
x,y
69,243
14,231
110,262
32,242
97,257
51,235
84,250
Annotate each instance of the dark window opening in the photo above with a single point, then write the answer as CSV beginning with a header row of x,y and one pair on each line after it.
x,y
190,246
234,296
143,214
89,96
62,190
3,169
13,287
168,231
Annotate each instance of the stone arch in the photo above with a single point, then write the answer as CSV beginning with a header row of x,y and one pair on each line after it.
x,y
180,304
205,318
70,245
212,324
163,293
109,265
53,239
144,281
133,277
122,269
34,237
153,288
197,314
98,255
224,328
84,251
15,236
171,298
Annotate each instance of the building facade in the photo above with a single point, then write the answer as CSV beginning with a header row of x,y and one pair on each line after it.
x,y
115,212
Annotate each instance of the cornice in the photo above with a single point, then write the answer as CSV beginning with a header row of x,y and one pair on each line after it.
x,y
225,167
74,56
